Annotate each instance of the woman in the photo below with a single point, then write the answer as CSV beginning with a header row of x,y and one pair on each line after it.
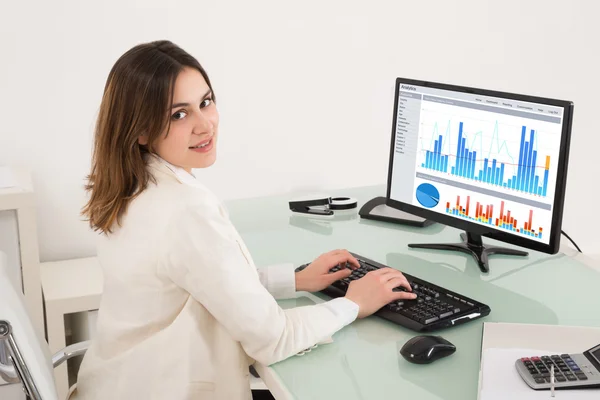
x,y
184,310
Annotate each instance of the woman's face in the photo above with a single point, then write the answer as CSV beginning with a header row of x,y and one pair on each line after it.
x,y
191,141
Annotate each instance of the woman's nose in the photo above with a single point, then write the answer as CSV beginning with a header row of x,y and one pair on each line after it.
x,y
202,123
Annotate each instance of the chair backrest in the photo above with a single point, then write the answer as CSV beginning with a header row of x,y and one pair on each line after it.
x,y
32,350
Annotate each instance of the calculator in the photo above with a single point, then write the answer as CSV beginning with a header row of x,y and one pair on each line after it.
x,y
571,371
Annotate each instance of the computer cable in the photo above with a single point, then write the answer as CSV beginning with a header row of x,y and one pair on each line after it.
x,y
574,244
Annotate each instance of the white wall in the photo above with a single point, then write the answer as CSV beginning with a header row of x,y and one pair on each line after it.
x,y
304,88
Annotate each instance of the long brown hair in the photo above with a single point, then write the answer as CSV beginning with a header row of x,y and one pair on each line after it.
x,y
137,96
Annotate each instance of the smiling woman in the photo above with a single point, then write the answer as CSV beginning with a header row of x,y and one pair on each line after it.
x,y
184,310
191,136
137,118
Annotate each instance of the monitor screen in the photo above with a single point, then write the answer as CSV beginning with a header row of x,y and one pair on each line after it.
x,y
480,158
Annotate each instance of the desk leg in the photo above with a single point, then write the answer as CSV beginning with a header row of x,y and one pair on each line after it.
x,y
55,321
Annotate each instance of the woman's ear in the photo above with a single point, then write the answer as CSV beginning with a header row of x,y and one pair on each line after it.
x,y
143,140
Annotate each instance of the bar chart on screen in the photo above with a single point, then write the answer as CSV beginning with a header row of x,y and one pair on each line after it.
x,y
512,154
509,216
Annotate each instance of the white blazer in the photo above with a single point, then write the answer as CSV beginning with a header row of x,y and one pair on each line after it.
x,y
184,312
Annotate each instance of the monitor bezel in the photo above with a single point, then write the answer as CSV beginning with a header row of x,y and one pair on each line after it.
x,y
559,195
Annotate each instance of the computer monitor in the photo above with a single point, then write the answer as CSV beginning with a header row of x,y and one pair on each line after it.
x,y
491,163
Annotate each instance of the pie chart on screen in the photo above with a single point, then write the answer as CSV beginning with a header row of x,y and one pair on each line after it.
x,y
428,195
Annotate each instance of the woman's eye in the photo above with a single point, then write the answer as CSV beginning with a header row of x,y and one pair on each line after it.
x,y
178,115
206,103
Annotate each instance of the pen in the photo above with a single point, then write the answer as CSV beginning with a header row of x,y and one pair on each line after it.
x,y
552,380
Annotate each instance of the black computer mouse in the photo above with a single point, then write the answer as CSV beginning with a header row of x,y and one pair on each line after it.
x,y
425,349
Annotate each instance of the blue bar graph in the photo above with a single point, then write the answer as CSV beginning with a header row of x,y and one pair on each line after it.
x,y
489,170
434,159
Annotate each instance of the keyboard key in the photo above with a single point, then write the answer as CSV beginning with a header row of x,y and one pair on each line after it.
x,y
430,320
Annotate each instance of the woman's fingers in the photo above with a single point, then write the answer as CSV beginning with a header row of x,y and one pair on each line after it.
x,y
343,256
398,282
388,274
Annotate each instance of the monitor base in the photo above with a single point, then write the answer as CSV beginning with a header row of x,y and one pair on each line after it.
x,y
472,244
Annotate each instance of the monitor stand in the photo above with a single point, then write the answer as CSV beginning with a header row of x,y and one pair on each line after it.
x,y
472,244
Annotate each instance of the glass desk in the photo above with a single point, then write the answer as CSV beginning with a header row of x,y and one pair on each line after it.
x,y
363,362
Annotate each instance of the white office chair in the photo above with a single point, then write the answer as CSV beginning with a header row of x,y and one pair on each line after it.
x,y
29,360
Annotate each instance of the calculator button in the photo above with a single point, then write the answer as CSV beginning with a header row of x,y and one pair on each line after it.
x,y
560,378
581,376
540,380
575,368
571,377
565,369
555,357
544,370
565,356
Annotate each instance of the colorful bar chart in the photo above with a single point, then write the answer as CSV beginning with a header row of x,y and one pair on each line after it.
x,y
503,220
491,171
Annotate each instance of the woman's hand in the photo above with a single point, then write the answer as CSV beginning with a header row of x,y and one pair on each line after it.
x,y
316,275
376,289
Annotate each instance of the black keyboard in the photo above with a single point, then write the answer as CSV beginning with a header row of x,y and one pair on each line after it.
x,y
434,308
